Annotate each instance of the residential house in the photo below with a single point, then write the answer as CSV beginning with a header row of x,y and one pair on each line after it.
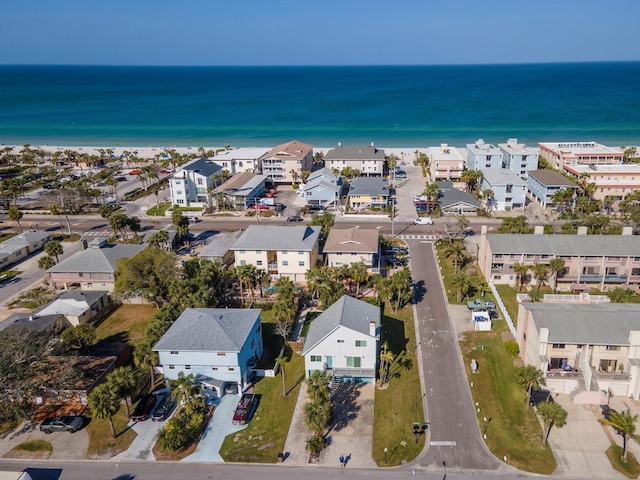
x,y
190,184
613,181
241,191
322,188
238,160
78,307
445,163
343,341
54,323
220,344
598,261
93,268
285,163
481,156
581,153
17,248
582,345
544,184
453,201
172,242
369,161
368,193
346,246
518,157
284,251
218,248
509,189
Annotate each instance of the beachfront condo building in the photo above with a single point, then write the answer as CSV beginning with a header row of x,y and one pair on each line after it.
x,y
481,155
518,157
544,184
613,181
285,163
580,153
238,160
602,262
191,183
445,163
509,190
369,161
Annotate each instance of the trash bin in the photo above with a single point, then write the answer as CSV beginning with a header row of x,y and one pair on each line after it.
x,y
280,457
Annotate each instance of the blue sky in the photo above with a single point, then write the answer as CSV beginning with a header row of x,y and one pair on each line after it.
x,y
320,32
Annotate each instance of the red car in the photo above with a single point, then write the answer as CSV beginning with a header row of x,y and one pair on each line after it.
x,y
259,206
164,171
135,171
143,409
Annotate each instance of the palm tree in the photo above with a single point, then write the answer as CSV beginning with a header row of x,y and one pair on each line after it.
x,y
625,424
317,415
112,183
552,414
294,175
472,179
158,239
522,271
455,250
45,262
535,295
105,403
462,285
541,271
318,386
53,248
15,215
55,210
183,387
124,382
556,265
531,378
145,356
489,195
359,275
432,192
386,359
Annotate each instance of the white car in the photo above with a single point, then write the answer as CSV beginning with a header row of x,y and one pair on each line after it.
x,y
423,221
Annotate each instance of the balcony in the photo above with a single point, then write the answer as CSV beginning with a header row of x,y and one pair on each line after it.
x,y
272,267
598,277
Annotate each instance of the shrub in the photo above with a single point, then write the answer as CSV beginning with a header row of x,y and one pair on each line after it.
x,y
512,348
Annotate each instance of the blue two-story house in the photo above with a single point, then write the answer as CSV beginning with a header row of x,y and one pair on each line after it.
x,y
509,190
219,344
322,188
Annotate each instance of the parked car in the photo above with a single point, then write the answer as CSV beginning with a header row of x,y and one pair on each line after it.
x,y
244,409
423,221
194,220
401,174
259,206
396,249
143,409
294,218
396,262
165,171
479,304
66,423
135,171
279,207
163,407
422,208
121,179
270,194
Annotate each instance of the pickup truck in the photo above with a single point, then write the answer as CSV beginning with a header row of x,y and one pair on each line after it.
x,y
65,423
244,409
478,304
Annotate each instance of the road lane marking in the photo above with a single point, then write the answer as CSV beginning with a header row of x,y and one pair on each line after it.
x,y
442,444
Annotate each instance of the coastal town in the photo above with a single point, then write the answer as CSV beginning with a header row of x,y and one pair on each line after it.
x,y
470,308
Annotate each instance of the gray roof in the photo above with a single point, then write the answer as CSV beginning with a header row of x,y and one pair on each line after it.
x,y
374,186
565,245
72,302
551,178
96,260
18,242
36,322
596,324
354,153
354,239
203,166
278,237
323,172
449,195
502,176
210,330
347,312
220,244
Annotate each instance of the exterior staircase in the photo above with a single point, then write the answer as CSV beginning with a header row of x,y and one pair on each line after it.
x,y
334,386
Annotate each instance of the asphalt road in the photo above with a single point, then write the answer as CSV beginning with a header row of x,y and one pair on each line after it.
x,y
454,434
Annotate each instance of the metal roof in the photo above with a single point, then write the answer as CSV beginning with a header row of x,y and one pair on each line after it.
x,y
502,176
210,330
219,244
278,237
203,166
565,245
347,312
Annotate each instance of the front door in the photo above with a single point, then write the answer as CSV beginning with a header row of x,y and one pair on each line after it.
x,y
328,360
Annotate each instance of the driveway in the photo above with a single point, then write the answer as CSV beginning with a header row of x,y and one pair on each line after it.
x,y
350,431
66,446
142,445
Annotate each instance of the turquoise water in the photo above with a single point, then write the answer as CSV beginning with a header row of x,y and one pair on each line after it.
x,y
392,106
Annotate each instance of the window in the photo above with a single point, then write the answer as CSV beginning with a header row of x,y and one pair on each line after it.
x,y
232,369
214,368
284,252
200,181
172,367
316,358
529,256
285,263
81,274
613,348
353,362
613,259
173,352
221,354
497,255
243,262
258,263
340,341
187,367
635,271
361,343
180,201
558,345
301,263
258,252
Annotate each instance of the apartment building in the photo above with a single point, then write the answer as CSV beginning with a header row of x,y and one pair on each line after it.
x,y
518,157
591,261
544,184
614,181
509,190
285,163
240,160
369,161
190,184
445,163
482,155
581,153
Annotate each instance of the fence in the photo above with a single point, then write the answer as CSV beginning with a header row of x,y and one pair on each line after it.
x,y
500,303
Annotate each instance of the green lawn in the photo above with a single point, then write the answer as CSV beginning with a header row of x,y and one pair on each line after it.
x,y
159,210
630,468
399,405
101,444
508,296
266,434
513,430
127,323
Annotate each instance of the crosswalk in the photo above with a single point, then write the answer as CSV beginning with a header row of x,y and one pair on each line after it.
x,y
417,237
96,233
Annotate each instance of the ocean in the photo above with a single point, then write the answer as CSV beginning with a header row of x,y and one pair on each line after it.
x,y
393,106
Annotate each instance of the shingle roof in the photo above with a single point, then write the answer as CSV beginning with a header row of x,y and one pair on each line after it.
x,y
202,166
566,245
551,178
502,176
347,312
599,324
209,330
278,237
323,172
290,150
25,239
355,239
354,153
72,302
96,260
220,244
374,186
449,195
